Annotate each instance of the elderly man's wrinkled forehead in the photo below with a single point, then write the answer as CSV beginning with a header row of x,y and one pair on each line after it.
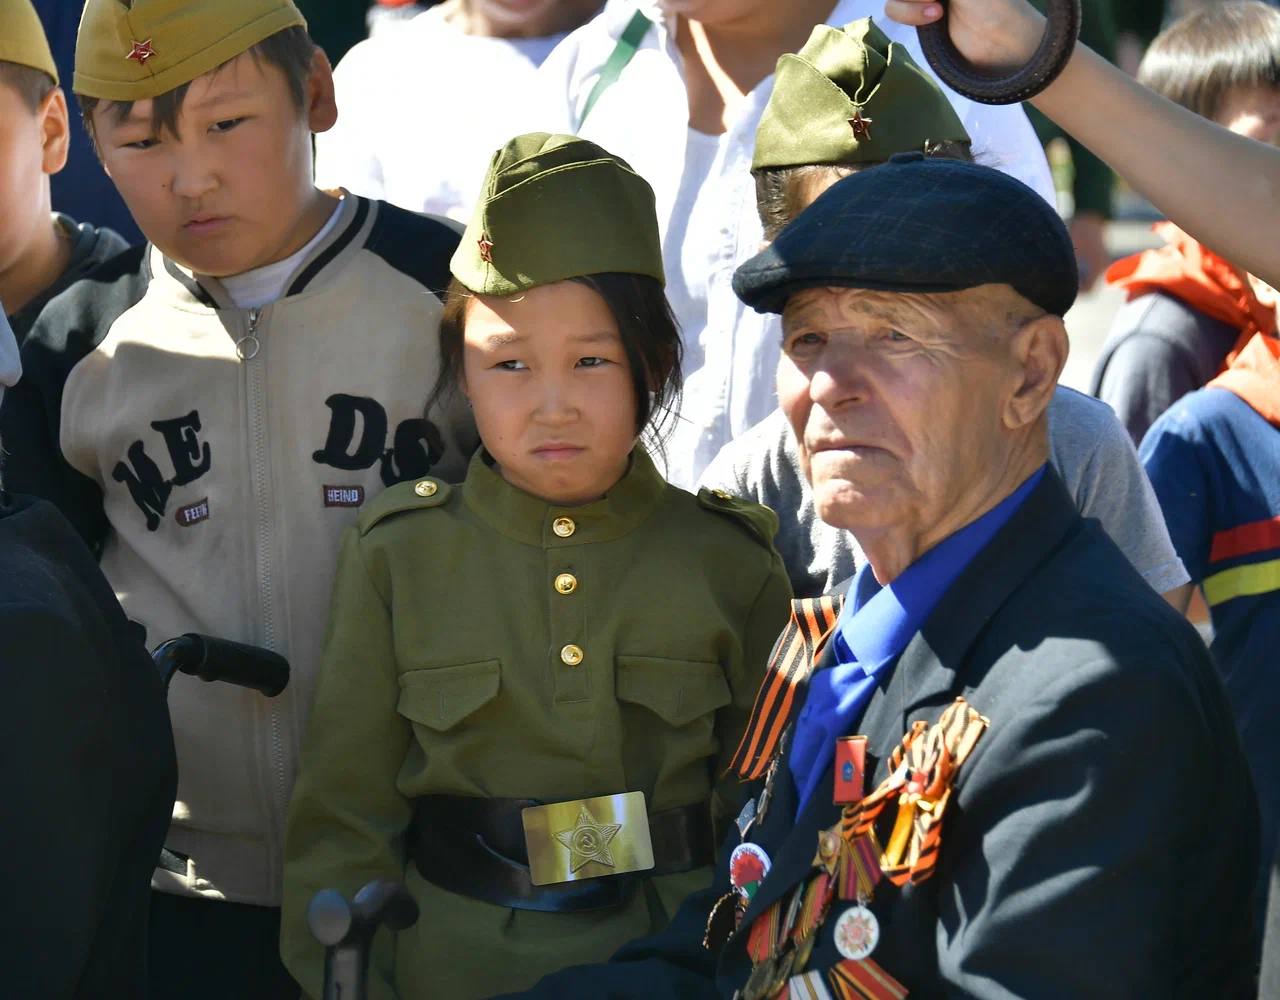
x,y
985,308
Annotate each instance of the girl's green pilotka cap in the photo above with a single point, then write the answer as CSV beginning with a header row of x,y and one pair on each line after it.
x,y
851,96
556,207
131,51
22,38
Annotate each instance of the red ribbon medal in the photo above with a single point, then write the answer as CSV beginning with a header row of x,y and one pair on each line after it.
x,y
851,767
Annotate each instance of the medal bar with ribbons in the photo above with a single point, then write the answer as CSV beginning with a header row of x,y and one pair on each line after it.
x,y
849,864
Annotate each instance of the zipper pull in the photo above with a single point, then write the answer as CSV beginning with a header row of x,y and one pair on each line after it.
x,y
248,346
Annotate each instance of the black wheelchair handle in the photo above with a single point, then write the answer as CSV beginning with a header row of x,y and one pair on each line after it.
x,y
213,659
1050,58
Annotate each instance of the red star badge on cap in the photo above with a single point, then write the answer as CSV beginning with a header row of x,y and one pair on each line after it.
x,y
861,126
486,248
141,52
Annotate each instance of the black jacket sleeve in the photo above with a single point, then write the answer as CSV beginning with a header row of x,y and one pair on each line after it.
x,y
68,330
56,779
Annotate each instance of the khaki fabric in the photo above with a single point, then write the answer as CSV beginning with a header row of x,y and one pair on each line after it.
x,y
442,674
134,52
556,207
851,96
22,37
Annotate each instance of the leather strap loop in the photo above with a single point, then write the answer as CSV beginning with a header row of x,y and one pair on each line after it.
x,y
1050,58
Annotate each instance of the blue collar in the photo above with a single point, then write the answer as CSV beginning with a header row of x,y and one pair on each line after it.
x,y
878,622
874,628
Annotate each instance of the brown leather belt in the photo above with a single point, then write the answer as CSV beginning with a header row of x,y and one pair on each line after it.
x,y
476,847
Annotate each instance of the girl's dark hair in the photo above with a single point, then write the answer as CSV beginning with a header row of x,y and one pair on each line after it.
x,y
650,338
782,193
1199,58
290,51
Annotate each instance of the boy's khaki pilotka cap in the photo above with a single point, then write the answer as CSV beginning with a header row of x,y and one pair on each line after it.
x,y
556,207
132,51
851,96
22,38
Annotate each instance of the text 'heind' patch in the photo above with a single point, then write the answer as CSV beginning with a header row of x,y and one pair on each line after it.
x,y
343,496
193,513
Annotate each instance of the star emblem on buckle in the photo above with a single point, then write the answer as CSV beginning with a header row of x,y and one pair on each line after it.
x,y
589,841
861,126
141,52
486,248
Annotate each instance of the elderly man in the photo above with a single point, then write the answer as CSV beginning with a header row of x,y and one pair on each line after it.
x,y
1000,766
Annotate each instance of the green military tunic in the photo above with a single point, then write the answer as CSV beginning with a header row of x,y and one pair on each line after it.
x,y
486,643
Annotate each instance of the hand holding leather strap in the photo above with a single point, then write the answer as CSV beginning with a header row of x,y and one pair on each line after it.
x,y
1050,58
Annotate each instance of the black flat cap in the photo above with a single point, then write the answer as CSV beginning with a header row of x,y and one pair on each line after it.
x,y
916,224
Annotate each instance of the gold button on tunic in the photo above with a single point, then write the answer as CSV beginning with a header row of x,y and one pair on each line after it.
x,y
564,526
566,583
571,655
425,488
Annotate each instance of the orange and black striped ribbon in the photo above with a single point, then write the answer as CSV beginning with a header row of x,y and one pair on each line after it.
x,y
864,980
933,755
812,621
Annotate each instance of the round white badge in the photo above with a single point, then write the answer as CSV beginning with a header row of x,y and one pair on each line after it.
x,y
857,933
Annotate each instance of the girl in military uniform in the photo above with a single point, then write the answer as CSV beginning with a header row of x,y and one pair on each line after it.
x,y
533,680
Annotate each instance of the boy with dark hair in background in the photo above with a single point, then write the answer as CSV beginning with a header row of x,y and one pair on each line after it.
x,y
41,253
211,410
1189,308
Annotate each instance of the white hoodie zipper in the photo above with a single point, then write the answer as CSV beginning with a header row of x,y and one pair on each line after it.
x,y
256,378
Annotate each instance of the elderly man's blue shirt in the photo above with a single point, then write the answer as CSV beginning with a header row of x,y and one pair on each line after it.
x,y
874,628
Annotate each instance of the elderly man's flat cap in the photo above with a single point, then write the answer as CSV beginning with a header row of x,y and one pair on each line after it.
x,y
919,225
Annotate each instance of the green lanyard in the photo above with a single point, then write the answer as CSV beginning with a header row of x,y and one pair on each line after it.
x,y
621,55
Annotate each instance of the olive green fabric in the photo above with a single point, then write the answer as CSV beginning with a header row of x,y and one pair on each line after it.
x,y
22,37
442,674
557,207
131,53
843,75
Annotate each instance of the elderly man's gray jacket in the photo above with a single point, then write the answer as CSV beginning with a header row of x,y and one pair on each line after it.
x,y
1101,839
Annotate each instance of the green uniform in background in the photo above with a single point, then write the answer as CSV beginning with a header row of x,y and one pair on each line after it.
x,y
485,643
336,25
1094,180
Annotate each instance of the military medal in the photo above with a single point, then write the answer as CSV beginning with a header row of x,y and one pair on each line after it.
x,y
851,766
746,818
748,865
857,932
722,921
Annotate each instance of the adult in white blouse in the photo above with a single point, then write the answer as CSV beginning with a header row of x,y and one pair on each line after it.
x,y
422,108
683,112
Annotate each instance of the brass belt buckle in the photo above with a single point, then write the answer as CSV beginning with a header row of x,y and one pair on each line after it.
x,y
588,838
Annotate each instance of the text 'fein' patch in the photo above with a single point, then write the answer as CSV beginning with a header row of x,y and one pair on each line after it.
x,y
192,513
343,496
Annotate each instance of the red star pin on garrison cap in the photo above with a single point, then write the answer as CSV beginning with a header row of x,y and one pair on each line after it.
x,y
141,52
486,248
861,126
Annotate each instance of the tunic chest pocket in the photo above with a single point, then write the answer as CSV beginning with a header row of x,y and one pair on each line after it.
x,y
441,697
677,691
